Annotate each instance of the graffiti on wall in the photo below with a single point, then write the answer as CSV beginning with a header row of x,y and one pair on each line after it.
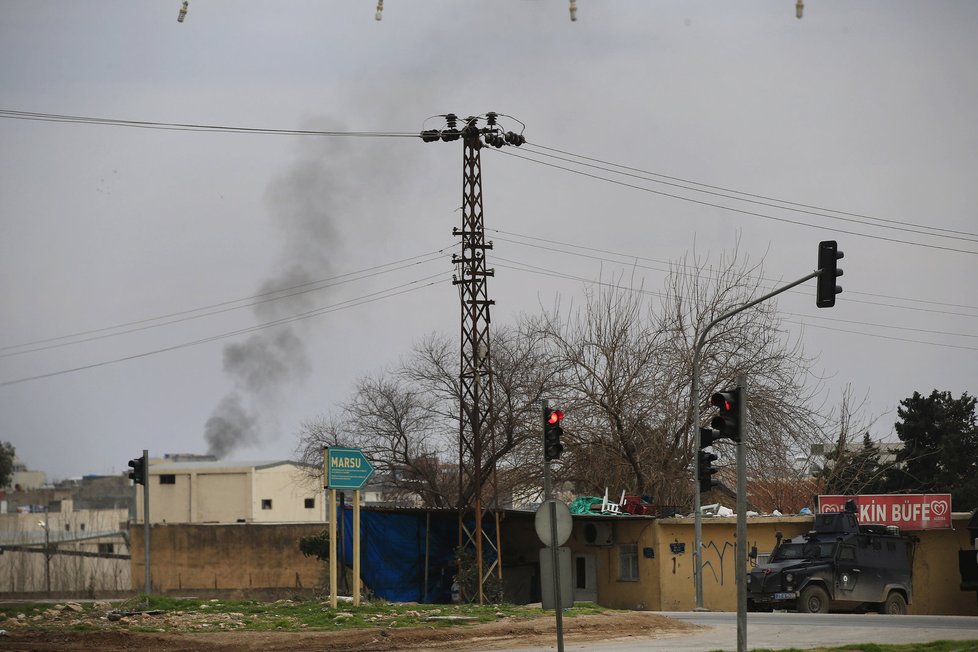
x,y
718,566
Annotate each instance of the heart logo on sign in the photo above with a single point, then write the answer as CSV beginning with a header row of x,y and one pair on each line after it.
x,y
939,507
830,509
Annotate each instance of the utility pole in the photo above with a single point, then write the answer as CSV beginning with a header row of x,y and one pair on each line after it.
x,y
477,487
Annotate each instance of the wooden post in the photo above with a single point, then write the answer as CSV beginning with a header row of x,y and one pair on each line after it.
x,y
332,548
356,548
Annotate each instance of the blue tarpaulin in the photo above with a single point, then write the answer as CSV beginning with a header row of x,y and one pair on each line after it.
x,y
392,552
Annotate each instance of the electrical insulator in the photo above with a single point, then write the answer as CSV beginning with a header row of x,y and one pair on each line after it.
x,y
380,10
573,9
183,11
515,139
799,8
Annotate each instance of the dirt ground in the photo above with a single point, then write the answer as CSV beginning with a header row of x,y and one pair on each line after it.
x,y
504,633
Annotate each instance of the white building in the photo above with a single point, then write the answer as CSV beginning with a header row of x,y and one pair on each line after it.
x,y
23,479
233,492
64,549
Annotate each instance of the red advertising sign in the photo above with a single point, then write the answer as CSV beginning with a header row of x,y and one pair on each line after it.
x,y
906,511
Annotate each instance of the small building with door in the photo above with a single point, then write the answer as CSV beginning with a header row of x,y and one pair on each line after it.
x,y
646,563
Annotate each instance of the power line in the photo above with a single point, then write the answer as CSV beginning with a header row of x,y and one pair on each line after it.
x,y
886,337
220,307
739,192
182,126
877,325
536,244
632,171
736,210
547,272
765,203
770,204
713,189
404,288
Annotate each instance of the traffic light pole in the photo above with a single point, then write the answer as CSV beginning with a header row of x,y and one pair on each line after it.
x,y
740,565
148,577
694,396
554,552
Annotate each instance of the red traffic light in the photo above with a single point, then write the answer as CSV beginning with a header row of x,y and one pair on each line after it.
x,y
555,416
727,423
721,401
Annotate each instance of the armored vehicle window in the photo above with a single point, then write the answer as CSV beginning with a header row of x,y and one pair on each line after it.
x,y
811,550
847,553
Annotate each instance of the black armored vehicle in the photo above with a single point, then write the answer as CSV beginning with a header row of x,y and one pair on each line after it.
x,y
839,565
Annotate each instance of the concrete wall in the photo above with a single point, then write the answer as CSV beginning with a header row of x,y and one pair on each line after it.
x,y
288,487
666,579
226,557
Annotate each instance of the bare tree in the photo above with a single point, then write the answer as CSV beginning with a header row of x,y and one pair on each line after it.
x,y
852,464
621,366
407,420
628,362
394,424
610,367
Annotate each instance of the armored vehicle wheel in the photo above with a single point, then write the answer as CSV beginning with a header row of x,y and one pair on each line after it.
x,y
813,600
895,604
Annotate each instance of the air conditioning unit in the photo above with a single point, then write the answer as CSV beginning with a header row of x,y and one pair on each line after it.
x,y
598,534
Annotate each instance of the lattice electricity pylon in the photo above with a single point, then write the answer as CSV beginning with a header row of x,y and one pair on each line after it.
x,y
477,488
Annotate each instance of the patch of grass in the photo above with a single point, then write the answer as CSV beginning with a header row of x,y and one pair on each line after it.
x,y
28,609
83,627
190,614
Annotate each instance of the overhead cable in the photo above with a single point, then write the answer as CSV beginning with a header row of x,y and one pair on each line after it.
x,y
404,288
735,210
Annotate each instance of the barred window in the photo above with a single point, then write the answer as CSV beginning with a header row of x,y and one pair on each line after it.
x,y
628,562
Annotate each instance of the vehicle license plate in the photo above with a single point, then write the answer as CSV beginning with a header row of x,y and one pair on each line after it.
x,y
784,596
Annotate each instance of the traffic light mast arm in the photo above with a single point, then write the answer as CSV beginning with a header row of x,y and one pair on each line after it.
x,y
697,350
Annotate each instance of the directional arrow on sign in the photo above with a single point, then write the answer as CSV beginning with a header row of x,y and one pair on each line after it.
x,y
347,468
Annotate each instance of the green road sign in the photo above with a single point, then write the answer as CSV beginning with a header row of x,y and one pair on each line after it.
x,y
347,468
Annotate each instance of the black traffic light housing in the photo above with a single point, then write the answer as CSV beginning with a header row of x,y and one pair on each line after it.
x,y
828,272
726,424
138,472
705,470
552,432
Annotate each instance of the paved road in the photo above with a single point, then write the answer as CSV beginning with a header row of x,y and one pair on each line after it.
x,y
787,630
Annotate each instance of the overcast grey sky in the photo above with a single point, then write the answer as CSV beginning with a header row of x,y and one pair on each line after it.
x,y
866,108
